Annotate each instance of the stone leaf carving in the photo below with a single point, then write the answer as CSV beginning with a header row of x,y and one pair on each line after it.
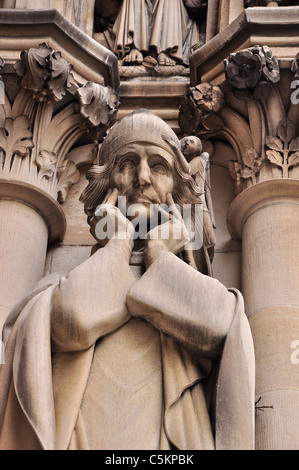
x,y
98,104
285,131
67,175
283,151
15,137
61,77
48,75
270,66
32,67
45,72
46,162
62,176
200,102
235,169
246,173
252,162
246,68
49,130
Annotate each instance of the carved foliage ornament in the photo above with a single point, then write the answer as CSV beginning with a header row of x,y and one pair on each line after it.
x,y
245,69
44,72
246,173
92,96
34,140
201,101
67,174
15,137
264,139
16,144
283,150
276,153
64,174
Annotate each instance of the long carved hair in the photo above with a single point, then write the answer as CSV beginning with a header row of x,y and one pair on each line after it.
x,y
185,189
140,126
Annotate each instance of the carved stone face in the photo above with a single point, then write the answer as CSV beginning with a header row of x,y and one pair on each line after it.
x,y
144,174
191,146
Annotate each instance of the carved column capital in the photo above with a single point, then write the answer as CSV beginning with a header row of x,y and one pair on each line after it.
x,y
49,113
255,111
254,78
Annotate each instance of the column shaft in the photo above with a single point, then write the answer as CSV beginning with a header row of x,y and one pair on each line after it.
x,y
23,246
266,216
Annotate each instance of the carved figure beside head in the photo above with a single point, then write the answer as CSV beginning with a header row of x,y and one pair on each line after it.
x,y
199,162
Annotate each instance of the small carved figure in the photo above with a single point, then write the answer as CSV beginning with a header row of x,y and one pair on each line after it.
x,y
199,162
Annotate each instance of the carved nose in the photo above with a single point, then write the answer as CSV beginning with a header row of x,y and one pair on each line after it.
x,y
143,174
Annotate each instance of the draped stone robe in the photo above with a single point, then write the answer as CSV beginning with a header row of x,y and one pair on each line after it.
x,y
100,359
163,25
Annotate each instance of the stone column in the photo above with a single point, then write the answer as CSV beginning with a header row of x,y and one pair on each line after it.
x,y
260,120
266,218
29,219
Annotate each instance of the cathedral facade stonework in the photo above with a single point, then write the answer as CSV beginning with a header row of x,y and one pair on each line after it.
x,y
149,190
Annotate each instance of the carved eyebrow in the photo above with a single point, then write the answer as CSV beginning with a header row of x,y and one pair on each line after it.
x,y
120,158
159,159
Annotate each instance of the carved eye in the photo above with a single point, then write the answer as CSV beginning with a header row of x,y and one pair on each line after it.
x,y
127,164
159,168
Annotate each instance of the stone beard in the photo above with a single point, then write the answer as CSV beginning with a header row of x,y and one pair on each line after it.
x,y
104,359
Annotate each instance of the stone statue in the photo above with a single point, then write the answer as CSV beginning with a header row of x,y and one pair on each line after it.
x,y
154,32
107,358
191,147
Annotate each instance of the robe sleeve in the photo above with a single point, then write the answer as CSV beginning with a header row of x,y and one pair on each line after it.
x,y
91,301
194,309
201,314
